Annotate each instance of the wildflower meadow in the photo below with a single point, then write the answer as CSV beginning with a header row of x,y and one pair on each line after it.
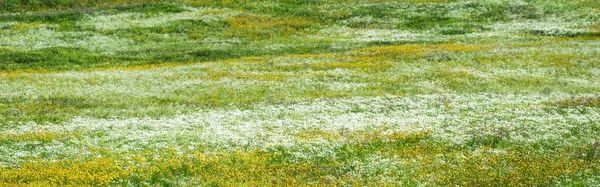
x,y
300,93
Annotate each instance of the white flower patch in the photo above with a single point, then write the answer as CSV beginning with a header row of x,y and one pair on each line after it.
x,y
103,44
5,25
556,26
347,34
346,86
33,39
54,150
359,19
518,73
385,35
129,20
595,72
132,20
266,125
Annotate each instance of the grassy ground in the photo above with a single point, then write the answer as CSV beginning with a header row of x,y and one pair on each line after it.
x,y
302,93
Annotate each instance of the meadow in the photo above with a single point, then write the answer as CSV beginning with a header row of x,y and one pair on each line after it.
x,y
299,93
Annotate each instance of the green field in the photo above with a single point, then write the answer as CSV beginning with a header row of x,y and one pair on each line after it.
x,y
299,93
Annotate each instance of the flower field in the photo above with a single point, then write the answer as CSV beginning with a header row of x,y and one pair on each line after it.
x,y
299,93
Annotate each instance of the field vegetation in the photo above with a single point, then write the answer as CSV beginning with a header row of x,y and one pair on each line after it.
x,y
299,93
